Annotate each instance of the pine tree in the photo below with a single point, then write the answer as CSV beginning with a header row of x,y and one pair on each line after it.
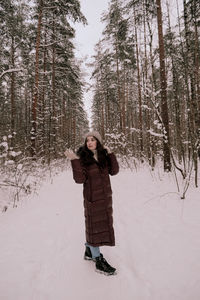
x,y
163,84
41,98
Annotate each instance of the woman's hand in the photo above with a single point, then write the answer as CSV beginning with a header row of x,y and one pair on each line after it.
x,y
70,154
108,149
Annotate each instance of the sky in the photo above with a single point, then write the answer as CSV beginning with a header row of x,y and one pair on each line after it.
x,y
86,38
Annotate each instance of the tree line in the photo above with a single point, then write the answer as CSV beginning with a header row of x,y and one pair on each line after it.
x,y
146,81
41,88
145,76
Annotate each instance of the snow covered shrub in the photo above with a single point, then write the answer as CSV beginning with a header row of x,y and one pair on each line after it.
x,y
121,145
24,177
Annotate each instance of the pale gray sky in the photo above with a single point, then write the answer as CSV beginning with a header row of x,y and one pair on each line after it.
x,y
87,36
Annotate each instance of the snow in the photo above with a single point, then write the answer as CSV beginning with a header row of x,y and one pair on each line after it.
x,y
157,252
14,154
5,145
154,133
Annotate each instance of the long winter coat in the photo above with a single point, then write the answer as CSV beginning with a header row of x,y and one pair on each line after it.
x,y
97,195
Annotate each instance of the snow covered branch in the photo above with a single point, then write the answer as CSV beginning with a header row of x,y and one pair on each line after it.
x,y
9,71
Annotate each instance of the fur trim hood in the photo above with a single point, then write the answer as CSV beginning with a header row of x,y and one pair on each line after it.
x,y
87,157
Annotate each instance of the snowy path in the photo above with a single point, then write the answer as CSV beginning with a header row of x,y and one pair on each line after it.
x,y
157,253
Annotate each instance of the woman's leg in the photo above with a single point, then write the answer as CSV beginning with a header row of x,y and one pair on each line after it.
x,y
102,266
94,250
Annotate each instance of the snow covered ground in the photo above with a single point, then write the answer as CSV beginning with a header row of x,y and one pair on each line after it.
x,y
157,251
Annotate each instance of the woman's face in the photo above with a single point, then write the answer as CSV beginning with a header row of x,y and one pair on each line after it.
x,y
91,143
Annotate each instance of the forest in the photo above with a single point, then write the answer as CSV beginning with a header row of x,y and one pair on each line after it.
x,y
146,74
145,82
144,79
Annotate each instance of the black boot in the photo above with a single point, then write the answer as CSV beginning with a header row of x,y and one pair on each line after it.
x,y
102,266
88,254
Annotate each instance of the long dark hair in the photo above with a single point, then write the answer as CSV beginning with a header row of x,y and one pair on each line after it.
x,y
87,156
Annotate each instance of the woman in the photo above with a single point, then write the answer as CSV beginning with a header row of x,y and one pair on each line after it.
x,y
91,166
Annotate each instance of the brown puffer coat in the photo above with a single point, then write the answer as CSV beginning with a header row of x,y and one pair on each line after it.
x,y
97,195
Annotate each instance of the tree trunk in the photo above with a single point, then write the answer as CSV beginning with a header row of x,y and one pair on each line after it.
x,y
152,96
119,88
163,83
43,135
124,102
196,62
139,91
176,93
145,85
192,71
54,122
36,87
12,93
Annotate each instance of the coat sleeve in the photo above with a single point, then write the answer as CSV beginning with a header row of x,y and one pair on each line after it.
x,y
114,166
79,173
